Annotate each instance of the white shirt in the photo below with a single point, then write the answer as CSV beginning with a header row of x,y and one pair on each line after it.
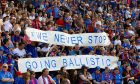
x,y
32,17
117,42
44,19
40,80
46,80
8,26
131,32
138,47
40,18
20,53
127,14
44,49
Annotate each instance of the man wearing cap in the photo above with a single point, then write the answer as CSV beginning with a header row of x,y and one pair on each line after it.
x,y
19,79
97,76
5,76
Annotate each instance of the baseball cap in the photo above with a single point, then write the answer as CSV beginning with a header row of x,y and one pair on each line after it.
x,y
84,66
18,73
97,68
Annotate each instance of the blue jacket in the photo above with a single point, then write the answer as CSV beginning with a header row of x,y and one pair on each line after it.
x,y
19,80
31,49
5,75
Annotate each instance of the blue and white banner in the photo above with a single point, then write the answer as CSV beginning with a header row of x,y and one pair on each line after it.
x,y
60,38
70,62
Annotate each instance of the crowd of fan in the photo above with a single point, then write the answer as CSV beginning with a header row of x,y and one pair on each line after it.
x,y
119,18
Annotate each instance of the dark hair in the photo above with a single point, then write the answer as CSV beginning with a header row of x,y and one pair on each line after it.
x,y
32,72
21,43
5,40
44,70
61,69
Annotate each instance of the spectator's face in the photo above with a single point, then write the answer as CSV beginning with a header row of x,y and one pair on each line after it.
x,y
13,20
45,15
102,52
9,56
116,71
30,23
128,68
58,76
64,69
77,47
67,15
46,72
107,70
40,14
85,69
5,68
22,46
98,26
33,75
113,53
97,71
91,53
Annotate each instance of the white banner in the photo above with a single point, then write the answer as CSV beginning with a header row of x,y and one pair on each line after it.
x,y
70,62
60,38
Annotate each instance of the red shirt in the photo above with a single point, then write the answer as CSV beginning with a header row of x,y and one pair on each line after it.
x,y
3,3
60,22
36,24
90,28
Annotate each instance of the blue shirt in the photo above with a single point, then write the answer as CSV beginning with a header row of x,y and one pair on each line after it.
x,y
87,22
16,39
49,11
12,62
31,49
56,80
6,50
19,80
35,4
97,77
3,59
107,76
56,12
73,52
117,78
5,75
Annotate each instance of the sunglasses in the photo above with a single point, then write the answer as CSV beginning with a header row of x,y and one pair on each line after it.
x,y
4,66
